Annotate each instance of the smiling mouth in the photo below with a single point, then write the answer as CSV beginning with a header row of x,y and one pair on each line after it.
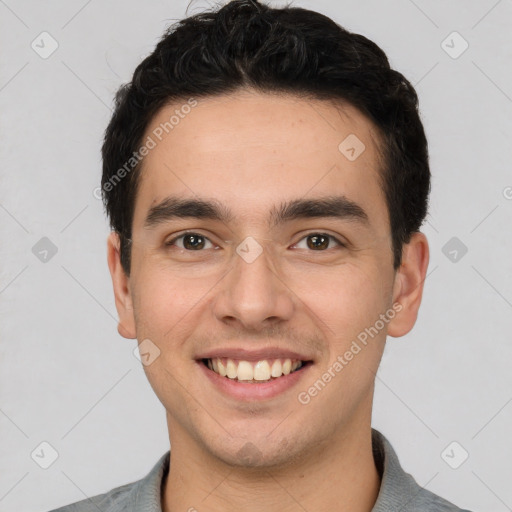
x,y
254,372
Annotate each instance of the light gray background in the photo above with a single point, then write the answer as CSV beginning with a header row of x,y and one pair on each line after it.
x,y
69,379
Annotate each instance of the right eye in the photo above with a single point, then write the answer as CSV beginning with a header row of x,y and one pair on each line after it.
x,y
189,241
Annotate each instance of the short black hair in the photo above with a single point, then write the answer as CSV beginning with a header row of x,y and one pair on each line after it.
x,y
247,44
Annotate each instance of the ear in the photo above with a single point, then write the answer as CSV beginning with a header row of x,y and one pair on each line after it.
x,y
408,285
122,293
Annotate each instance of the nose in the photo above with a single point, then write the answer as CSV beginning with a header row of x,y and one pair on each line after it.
x,y
253,294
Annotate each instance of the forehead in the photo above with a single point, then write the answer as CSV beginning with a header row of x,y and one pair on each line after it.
x,y
253,150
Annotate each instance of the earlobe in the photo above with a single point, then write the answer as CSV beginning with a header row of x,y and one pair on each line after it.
x,y
122,293
408,286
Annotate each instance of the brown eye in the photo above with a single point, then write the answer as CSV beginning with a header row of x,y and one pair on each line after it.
x,y
190,242
319,241
193,242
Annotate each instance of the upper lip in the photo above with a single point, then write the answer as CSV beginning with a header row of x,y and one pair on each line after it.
x,y
253,355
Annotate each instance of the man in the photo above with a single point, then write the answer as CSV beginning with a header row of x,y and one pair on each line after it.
x,y
266,176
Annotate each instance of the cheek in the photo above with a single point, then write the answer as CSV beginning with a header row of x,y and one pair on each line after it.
x,y
346,305
166,302
361,337
345,300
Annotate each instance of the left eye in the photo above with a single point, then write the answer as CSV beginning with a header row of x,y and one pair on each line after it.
x,y
318,241
191,241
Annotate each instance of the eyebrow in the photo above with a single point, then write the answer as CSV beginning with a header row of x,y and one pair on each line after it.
x,y
339,207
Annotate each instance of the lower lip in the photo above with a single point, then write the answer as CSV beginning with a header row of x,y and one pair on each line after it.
x,y
251,391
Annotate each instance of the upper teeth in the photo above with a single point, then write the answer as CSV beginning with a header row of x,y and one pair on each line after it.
x,y
260,370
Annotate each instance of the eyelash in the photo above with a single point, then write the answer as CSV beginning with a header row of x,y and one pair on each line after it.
x,y
170,243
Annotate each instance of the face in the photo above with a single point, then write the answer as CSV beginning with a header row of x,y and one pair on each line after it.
x,y
262,249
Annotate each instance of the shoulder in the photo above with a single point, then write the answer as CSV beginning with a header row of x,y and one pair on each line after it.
x,y
143,494
429,502
111,501
399,490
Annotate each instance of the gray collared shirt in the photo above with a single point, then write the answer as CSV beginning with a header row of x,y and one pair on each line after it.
x,y
399,492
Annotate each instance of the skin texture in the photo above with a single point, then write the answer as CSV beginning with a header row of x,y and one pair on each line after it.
x,y
252,151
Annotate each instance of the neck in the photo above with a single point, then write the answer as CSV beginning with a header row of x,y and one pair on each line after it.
x,y
340,475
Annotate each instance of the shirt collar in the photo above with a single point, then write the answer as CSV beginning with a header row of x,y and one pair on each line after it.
x,y
397,488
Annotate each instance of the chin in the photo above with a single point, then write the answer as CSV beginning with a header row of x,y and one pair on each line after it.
x,y
260,452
